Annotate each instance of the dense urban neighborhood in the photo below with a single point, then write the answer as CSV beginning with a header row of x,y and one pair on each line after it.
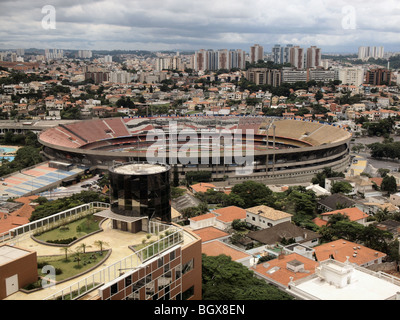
x,y
332,234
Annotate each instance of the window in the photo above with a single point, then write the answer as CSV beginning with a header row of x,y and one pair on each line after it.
x,y
172,256
188,293
166,267
128,281
187,266
114,288
160,262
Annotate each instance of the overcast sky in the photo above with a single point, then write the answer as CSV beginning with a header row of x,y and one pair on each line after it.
x,y
333,25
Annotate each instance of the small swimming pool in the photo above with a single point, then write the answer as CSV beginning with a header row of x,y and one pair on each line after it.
x,y
9,158
6,149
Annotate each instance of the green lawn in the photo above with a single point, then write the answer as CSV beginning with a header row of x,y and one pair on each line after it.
x,y
76,229
71,266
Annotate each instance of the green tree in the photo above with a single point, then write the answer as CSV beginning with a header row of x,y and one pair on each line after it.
x,y
224,279
389,184
252,193
341,187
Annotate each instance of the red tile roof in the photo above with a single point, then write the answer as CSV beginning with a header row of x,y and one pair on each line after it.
x,y
231,213
202,187
341,249
216,248
210,233
282,274
354,214
19,217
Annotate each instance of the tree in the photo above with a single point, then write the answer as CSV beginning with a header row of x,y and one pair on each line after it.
x,y
224,279
101,244
389,184
383,172
319,95
65,250
239,225
320,177
252,193
83,247
78,256
341,187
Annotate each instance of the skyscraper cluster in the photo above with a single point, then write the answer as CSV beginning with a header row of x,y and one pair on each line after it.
x,y
298,57
168,63
220,59
54,54
85,54
370,52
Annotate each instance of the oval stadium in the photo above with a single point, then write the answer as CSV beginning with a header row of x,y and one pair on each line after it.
x,y
282,151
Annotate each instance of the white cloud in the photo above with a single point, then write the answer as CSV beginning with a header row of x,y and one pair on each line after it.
x,y
185,24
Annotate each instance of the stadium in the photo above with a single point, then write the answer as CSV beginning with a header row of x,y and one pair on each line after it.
x,y
281,151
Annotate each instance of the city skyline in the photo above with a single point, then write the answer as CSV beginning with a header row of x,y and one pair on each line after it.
x,y
335,26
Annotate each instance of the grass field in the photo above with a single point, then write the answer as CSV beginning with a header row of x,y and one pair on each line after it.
x,y
76,229
70,267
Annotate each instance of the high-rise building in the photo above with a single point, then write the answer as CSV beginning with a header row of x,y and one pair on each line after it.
x,y
262,76
350,76
221,59
20,52
85,54
314,57
98,77
256,53
108,59
291,75
296,57
281,55
120,77
54,54
378,77
364,53
168,63
321,75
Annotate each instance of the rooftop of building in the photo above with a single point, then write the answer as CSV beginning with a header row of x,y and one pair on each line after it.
x,y
269,213
120,243
278,271
216,248
341,249
11,253
140,169
361,284
354,214
210,233
229,214
286,230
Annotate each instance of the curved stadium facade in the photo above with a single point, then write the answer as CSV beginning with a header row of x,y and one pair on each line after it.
x,y
283,151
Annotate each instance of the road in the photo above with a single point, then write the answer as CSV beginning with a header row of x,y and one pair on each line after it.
x,y
68,191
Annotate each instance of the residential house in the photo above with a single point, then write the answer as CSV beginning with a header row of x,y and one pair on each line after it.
x,y
284,269
341,250
334,280
202,187
284,232
216,247
354,214
266,217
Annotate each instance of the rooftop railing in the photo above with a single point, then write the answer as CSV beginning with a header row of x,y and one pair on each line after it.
x,y
15,235
173,236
